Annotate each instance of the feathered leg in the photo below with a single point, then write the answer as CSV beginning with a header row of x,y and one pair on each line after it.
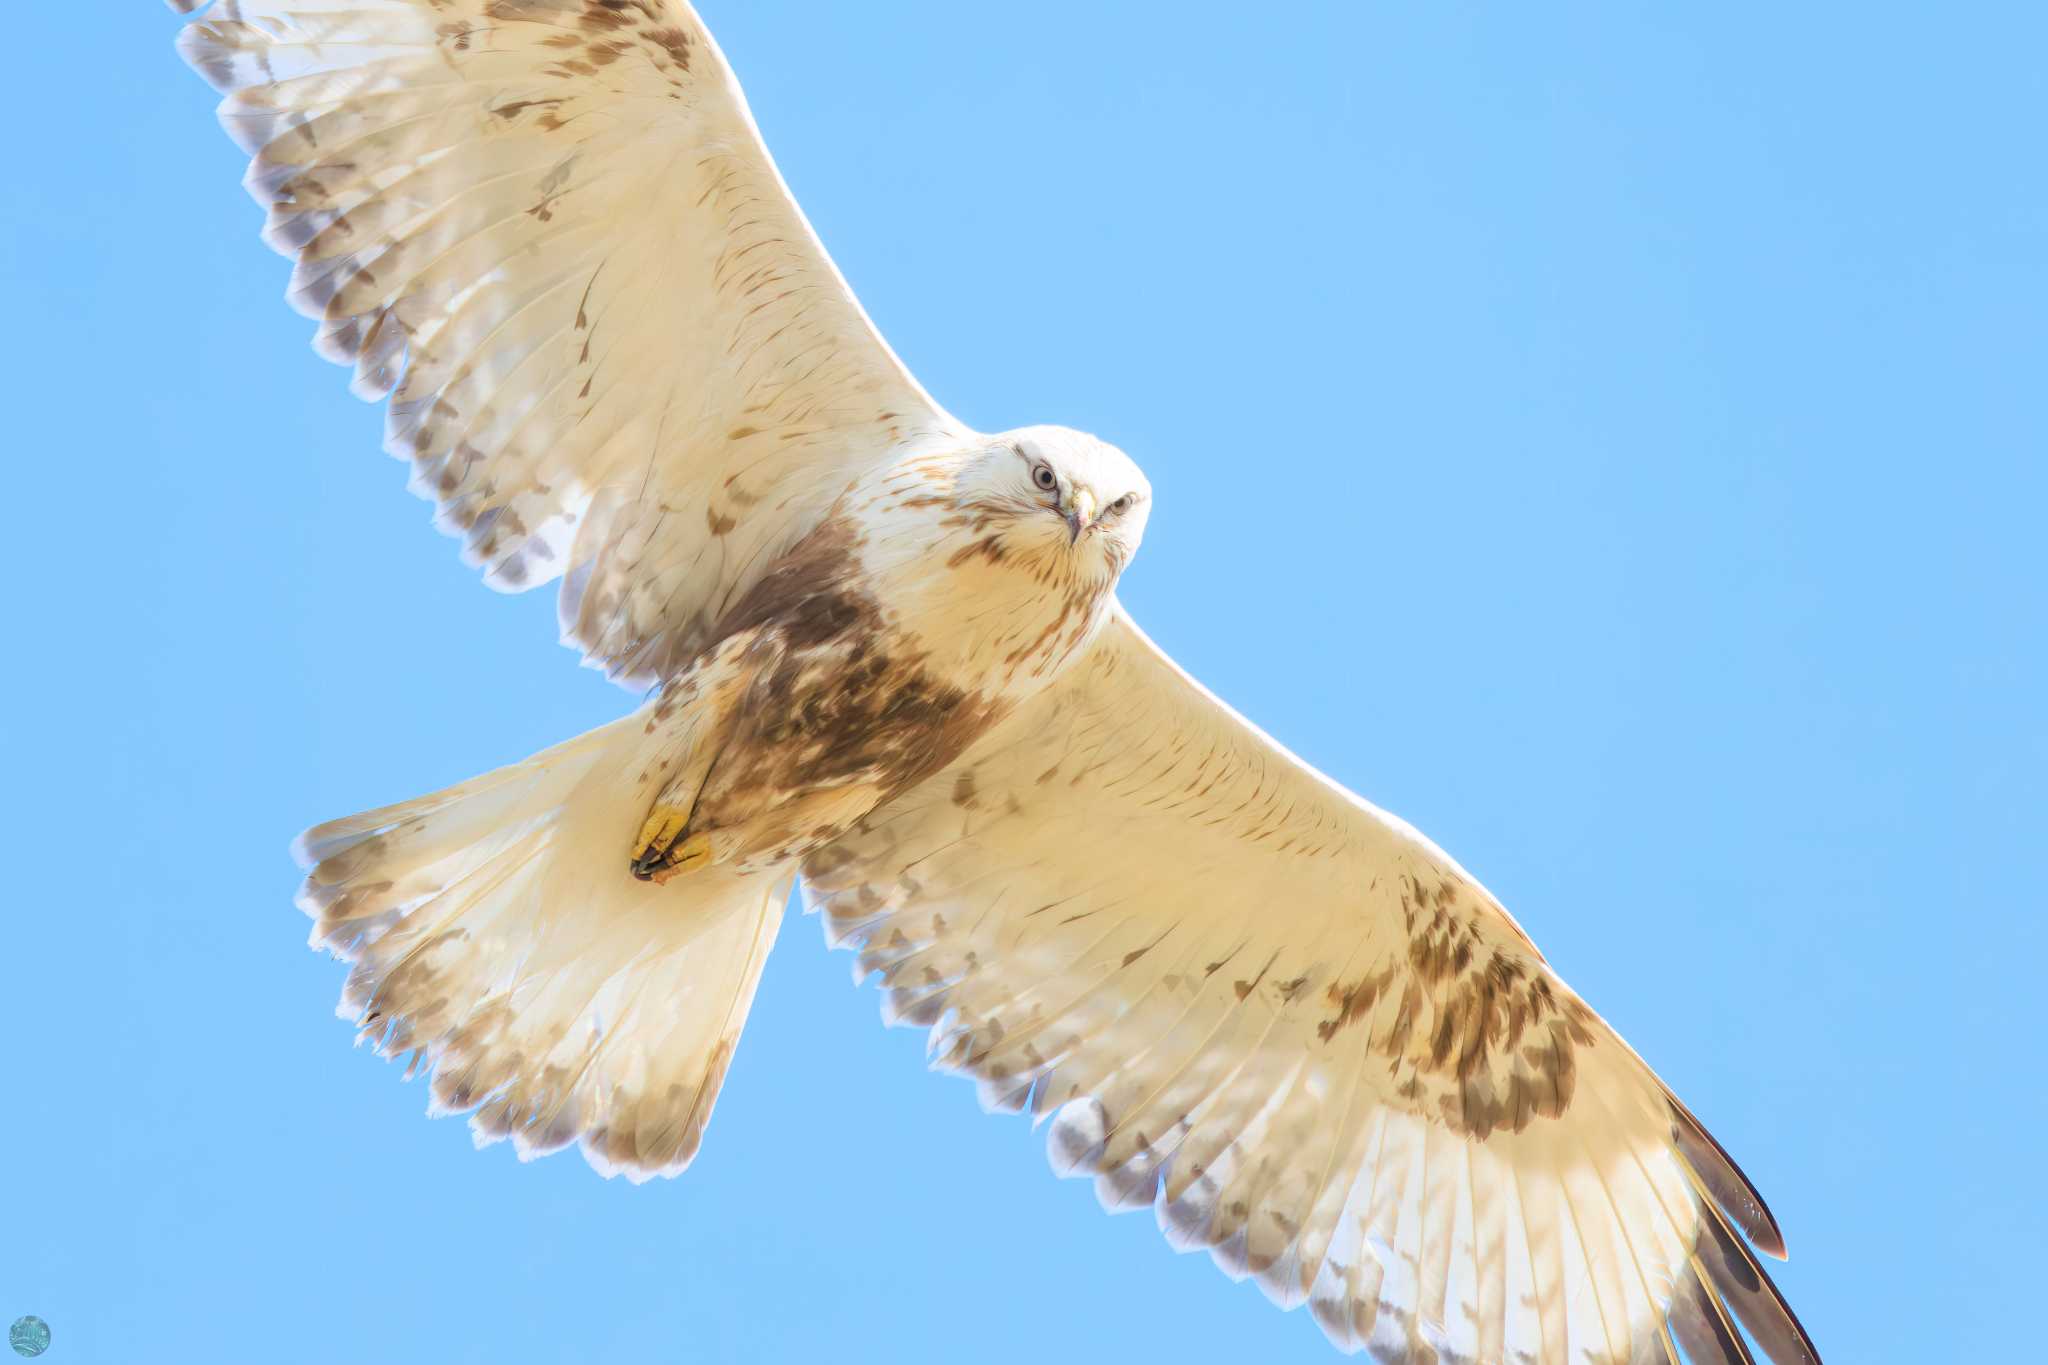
x,y
709,696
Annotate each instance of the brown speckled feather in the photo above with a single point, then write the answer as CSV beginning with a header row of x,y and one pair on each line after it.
x,y
1296,1029
548,233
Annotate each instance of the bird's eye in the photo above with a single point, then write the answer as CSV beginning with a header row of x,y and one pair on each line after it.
x,y
1045,478
1123,504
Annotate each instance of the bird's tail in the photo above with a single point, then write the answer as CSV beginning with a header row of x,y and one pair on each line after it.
x,y
500,941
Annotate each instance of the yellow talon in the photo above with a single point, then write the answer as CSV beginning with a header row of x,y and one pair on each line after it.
x,y
660,830
691,854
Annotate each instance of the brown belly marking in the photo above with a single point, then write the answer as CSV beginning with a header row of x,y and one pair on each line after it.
x,y
839,711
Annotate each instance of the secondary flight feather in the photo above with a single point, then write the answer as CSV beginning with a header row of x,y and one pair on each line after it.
x,y
886,662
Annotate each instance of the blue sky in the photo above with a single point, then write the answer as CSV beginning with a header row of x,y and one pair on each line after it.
x,y
1613,439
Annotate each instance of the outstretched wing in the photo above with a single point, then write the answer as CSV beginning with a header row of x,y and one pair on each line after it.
x,y
1300,1031
549,232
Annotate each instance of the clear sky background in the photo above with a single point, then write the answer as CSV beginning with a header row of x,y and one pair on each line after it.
x,y
1612,438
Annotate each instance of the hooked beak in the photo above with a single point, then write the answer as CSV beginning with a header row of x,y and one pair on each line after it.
x,y
1079,508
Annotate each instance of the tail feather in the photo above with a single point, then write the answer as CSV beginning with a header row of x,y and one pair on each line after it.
x,y
498,939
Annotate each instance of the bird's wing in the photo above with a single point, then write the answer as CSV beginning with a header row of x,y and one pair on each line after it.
x,y
548,231
1307,1037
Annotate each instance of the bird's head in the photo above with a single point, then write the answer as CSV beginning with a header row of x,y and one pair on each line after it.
x,y
1060,495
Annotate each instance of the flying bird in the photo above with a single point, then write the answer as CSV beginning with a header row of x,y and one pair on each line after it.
x,y
883,659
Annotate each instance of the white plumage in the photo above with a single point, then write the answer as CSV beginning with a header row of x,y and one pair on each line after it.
x,y
889,660
560,248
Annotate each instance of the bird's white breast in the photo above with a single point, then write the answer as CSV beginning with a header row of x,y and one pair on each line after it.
x,y
999,605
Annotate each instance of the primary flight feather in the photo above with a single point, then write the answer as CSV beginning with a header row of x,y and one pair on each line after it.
x,y
887,662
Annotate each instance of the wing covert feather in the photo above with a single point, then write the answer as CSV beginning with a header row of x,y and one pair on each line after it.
x,y
548,232
1299,1031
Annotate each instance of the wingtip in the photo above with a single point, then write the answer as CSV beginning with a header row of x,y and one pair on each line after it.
x,y
1731,1188
1730,1272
